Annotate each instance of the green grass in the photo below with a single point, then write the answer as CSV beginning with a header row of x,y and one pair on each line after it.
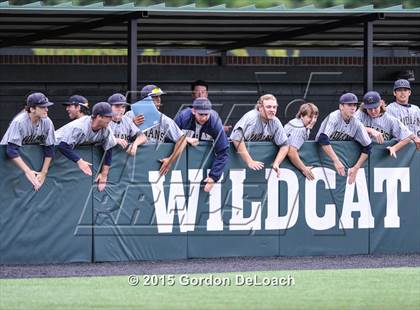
x,y
389,288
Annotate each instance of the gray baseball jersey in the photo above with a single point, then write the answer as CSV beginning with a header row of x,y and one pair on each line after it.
x,y
337,129
22,131
409,115
124,129
296,132
389,126
251,127
167,129
80,131
130,114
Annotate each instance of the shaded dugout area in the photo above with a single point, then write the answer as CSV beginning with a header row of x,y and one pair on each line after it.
x,y
217,30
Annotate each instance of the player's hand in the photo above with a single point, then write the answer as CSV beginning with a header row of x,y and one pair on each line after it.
x,y
255,165
307,172
122,142
139,119
209,184
352,174
31,176
41,178
132,149
226,128
340,168
193,141
378,136
276,169
85,166
392,151
417,142
101,180
166,166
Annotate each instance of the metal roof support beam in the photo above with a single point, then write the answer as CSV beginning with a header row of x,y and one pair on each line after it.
x,y
132,60
76,28
368,57
287,35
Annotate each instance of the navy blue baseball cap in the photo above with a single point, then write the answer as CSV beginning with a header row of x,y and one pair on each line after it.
x,y
151,90
118,98
102,109
401,83
348,98
202,105
38,100
78,100
371,100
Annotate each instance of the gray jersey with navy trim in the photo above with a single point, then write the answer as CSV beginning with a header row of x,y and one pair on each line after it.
x,y
22,131
124,129
337,129
167,129
389,126
409,115
251,127
296,132
80,131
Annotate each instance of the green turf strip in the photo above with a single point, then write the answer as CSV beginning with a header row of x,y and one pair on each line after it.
x,y
388,288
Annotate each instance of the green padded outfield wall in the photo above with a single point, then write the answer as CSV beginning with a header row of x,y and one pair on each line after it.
x,y
141,216
40,227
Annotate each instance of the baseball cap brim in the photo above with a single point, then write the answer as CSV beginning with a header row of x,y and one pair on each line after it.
x,y
404,87
48,104
203,111
120,103
371,105
156,93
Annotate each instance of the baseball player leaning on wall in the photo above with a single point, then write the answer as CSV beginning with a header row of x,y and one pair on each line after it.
x,y
341,125
380,125
126,133
89,130
261,124
297,131
408,114
76,107
32,126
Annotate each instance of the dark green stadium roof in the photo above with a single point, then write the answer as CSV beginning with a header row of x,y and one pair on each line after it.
x,y
219,27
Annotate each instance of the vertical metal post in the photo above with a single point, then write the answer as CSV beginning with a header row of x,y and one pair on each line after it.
x,y
368,56
132,60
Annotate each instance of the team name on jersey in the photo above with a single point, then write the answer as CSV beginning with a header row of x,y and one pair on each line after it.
x,y
122,136
340,136
385,135
410,120
260,137
34,139
156,134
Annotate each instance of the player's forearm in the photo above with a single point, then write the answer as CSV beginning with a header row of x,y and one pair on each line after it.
x,y
361,160
294,157
242,151
281,154
21,164
141,139
46,165
105,170
68,151
178,149
330,153
401,144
